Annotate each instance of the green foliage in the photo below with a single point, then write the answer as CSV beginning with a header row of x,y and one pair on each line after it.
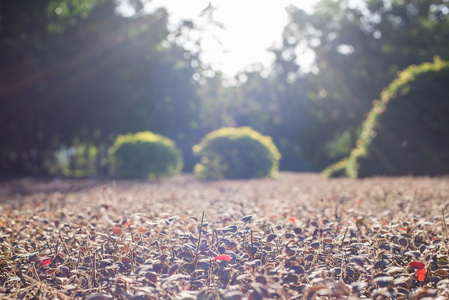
x,y
359,47
341,144
270,104
77,161
105,75
233,153
77,69
406,130
144,155
63,13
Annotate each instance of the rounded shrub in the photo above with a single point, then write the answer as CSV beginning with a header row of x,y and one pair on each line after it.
x,y
233,153
144,155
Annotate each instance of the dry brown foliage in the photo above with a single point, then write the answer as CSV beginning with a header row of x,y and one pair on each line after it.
x,y
295,237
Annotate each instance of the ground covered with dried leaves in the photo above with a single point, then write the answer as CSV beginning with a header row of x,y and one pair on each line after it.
x,y
296,237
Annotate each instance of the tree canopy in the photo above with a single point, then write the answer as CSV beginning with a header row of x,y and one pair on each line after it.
x,y
89,74
74,74
358,51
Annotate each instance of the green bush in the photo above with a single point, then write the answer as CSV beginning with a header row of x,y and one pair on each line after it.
x,y
407,130
233,153
144,155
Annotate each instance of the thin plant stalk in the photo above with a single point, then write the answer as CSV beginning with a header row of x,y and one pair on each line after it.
x,y
199,240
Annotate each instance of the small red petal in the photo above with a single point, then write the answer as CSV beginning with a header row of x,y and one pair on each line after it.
x,y
421,274
127,224
46,262
416,265
403,229
222,257
293,220
38,204
358,201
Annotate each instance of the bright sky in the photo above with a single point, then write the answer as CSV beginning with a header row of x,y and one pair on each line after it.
x,y
251,27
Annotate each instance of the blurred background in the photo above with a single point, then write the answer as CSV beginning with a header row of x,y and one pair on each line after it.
x,y
76,73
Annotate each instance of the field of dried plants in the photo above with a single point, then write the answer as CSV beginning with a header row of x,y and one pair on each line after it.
x,y
296,237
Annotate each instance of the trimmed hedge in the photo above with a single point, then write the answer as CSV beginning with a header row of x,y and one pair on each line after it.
x,y
144,155
407,130
233,153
